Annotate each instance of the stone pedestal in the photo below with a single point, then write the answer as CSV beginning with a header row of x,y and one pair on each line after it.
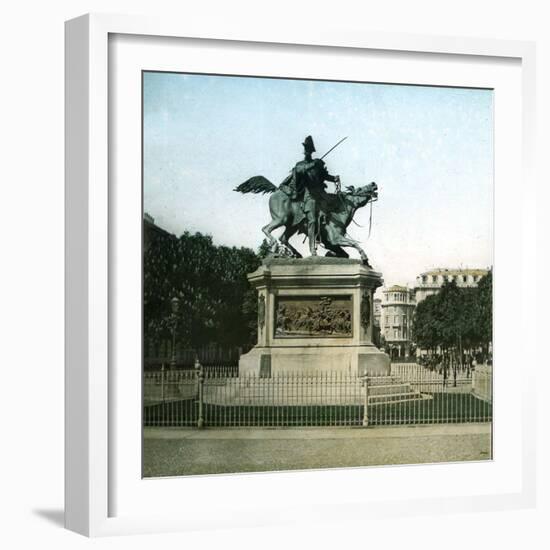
x,y
315,315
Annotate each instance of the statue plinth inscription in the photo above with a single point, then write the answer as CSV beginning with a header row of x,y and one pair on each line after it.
x,y
316,317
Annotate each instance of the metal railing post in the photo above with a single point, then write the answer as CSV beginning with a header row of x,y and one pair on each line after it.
x,y
200,380
162,383
366,408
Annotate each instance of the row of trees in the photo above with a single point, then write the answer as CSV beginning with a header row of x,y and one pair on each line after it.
x,y
216,303
456,319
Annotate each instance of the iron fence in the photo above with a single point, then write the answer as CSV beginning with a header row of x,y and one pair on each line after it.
x,y
415,370
185,357
482,383
218,397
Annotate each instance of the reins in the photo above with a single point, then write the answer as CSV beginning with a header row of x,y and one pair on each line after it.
x,y
370,220
341,197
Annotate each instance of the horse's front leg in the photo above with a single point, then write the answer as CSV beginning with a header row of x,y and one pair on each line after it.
x,y
346,241
335,251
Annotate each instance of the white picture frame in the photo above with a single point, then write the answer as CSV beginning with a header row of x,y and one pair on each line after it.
x,y
90,396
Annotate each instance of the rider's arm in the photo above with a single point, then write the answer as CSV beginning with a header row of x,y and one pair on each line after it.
x,y
329,177
333,179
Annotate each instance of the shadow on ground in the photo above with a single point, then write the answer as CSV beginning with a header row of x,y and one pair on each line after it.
x,y
56,517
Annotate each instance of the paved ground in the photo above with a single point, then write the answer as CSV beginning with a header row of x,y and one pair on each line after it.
x,y
183,451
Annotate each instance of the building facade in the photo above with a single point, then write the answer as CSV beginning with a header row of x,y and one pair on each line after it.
x,y
152,232
394,313
430,282
397,308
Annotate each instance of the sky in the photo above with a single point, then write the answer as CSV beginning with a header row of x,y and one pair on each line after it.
x,y
429,149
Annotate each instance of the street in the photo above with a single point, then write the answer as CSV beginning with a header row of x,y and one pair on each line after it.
x,y
188,451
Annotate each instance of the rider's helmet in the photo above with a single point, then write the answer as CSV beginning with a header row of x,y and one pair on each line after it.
x,y
309,147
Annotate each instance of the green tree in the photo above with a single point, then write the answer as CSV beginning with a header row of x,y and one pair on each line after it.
x,y
485,311
217,305
455,319
426,330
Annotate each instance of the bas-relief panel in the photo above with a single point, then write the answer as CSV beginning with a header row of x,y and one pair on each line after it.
x,y
313,316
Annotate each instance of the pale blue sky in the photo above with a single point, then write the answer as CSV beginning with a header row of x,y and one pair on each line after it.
x,y
429,149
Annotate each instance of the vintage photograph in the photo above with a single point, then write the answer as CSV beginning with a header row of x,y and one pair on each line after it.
x,y
317,274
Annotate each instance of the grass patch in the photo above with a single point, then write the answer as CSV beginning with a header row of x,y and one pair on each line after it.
x,y
442,408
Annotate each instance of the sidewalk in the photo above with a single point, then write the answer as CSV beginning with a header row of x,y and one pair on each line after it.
x,y
188,451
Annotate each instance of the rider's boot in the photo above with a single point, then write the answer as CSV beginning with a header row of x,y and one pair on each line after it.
x,y
312,241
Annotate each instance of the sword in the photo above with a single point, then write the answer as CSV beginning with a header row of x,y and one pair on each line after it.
x,y
333,147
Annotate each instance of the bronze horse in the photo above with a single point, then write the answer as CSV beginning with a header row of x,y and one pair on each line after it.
x,y
336,214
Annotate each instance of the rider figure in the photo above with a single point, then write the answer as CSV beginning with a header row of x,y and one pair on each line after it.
x,y
309,177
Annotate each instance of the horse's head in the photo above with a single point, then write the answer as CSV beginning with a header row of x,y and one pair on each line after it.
x,y
364,194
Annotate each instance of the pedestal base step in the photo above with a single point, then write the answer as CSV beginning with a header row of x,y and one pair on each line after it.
x,y
304,390
358,360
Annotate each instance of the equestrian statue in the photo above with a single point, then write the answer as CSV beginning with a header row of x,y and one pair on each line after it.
x,y
301,204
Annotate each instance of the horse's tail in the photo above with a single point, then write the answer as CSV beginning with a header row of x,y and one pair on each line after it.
x,y
256,184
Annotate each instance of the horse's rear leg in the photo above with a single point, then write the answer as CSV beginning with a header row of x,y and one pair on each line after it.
x,y
289,231
273,224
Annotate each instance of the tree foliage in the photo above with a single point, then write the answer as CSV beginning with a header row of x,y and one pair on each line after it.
x,y
217,304
485,299
455,317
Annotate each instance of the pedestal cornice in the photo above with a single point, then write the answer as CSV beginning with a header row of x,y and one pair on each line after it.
x,y
313,272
